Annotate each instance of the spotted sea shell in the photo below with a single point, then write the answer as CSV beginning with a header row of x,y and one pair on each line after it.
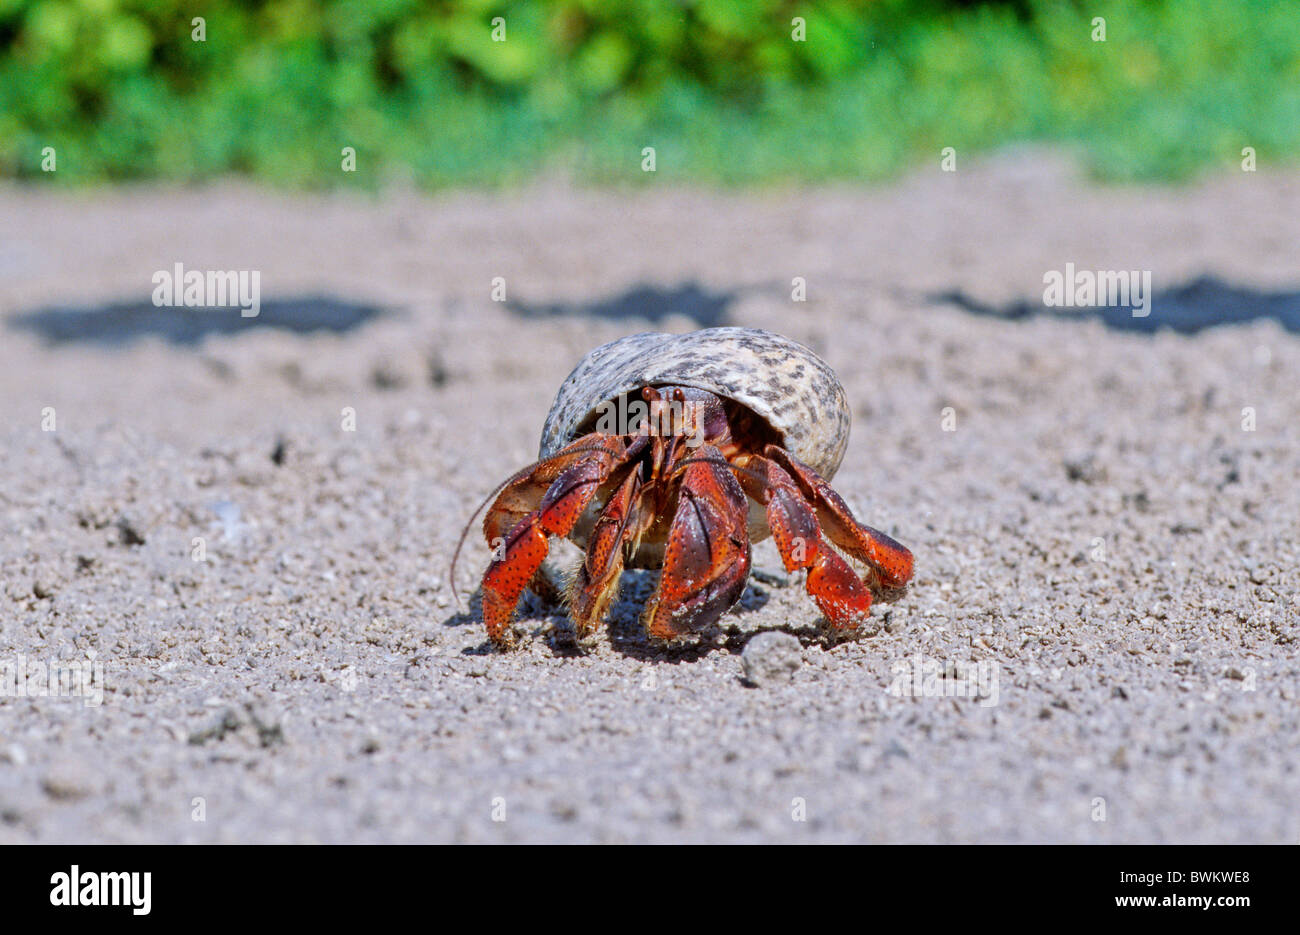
x,y
780,380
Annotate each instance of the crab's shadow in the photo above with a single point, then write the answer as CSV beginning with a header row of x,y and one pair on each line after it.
x,y
624,629
535,615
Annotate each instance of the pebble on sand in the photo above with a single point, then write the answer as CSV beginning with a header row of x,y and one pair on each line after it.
x,y
771,658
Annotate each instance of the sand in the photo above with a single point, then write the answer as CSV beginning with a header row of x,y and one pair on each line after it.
x,y
1105,515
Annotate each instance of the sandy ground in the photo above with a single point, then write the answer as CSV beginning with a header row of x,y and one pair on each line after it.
x,y
1098,532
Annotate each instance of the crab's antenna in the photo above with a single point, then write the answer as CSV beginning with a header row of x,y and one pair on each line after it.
x,y
517,475
451,570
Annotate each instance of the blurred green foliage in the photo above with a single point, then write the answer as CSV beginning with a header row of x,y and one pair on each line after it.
x,y
424,93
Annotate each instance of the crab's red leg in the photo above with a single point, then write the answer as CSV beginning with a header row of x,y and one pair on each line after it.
x,y
839,592
584,466
889,560
706,559
621,520
523,493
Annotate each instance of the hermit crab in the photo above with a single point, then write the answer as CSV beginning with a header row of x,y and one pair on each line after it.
x,y
677,452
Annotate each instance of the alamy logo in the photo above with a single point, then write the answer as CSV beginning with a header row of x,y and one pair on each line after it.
x,y
922,677
182,288
661,417
102,889
1085,288
21,677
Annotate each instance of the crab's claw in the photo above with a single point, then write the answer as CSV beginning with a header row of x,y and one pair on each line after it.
x,y
706,559
582,468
